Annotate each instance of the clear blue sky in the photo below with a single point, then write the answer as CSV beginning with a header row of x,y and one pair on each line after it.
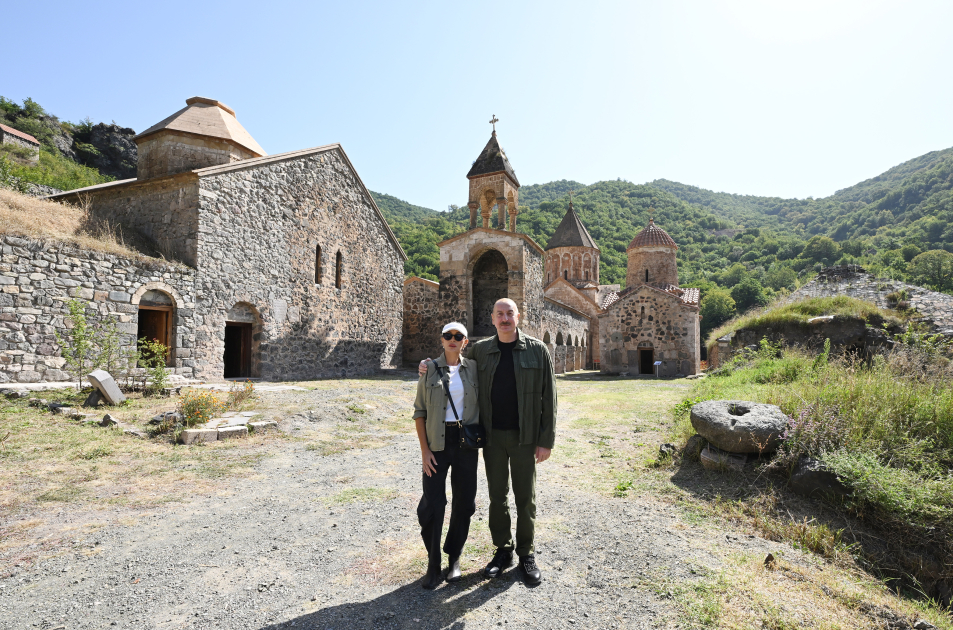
x,y
795,99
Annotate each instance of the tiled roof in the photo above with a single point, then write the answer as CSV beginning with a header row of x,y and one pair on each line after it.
x,y
652,235
571,233
688,296
492,160
19,134
207,117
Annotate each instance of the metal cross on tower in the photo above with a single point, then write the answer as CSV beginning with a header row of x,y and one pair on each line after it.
x,y
493,122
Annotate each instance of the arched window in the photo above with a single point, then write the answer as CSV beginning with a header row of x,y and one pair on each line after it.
x,y
559,339
317,264
337,270
646,275
643,311
546,338
587,274
566,274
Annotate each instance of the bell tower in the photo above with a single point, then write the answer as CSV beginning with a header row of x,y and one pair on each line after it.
x,y
493,183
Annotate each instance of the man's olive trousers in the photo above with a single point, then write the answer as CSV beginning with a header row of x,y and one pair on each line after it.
x,y
505,459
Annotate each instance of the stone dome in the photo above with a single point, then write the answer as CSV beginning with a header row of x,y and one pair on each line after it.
x,y
652,236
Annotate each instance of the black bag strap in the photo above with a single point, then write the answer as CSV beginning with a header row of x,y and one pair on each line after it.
x,y
445,379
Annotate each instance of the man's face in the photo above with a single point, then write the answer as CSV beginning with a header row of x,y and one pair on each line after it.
x,y
505,316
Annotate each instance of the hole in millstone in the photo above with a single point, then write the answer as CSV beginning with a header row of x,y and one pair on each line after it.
x,y
737,410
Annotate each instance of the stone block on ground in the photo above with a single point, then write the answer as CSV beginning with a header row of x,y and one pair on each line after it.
x,y
229,433
172,416
263,426
716,459
812,478
198,436
106,384
94,398
693,448
738,426
108,421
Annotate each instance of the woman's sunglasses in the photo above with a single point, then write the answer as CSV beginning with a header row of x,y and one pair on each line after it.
x,y
458,336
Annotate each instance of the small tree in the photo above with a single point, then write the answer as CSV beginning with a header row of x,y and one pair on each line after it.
x,y
78,347
152,357
748,294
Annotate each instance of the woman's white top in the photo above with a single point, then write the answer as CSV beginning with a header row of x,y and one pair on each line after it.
x,y
456,393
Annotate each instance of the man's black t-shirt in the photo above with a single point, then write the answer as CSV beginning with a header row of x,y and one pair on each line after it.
x,y
506,413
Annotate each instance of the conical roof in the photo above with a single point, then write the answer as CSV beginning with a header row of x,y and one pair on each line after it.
x,y
652,235
207,117
571,233
492,160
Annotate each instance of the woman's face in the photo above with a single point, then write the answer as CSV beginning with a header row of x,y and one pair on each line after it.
x,y
452,345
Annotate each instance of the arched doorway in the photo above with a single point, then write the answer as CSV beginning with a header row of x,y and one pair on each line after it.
x,y
242,335
156,317
490,283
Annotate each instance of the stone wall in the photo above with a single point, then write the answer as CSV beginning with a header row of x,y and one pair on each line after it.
x,y
650,319
36,279
421,323
167,153
575,264
936,308
659,260
259,229
165,210
23,143
566,294
565,334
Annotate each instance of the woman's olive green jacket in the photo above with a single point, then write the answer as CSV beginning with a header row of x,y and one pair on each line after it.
x,y
432,402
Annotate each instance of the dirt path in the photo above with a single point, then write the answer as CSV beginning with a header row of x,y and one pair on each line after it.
x,y
322,534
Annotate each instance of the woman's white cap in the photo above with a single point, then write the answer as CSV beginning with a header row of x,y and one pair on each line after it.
x,y
455,326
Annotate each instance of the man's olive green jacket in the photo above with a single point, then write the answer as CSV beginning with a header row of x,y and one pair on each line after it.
x,y
535,387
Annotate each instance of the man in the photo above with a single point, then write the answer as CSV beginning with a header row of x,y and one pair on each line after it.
x,y
517,397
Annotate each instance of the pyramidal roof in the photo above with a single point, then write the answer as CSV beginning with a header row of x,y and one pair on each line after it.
x,y
571,233
207,117
492,160
652,235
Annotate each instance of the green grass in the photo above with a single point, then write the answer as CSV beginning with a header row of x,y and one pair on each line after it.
x,y
59,172
797,313
362,495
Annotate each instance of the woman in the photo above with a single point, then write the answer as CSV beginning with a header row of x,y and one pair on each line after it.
x,y
438,418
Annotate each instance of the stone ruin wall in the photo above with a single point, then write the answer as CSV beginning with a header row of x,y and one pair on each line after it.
x,y
257,242
669,325
36,280
571,329
164,210
421,322
936,308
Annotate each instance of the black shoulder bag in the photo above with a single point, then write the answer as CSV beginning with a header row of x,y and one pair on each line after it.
x,y
472,436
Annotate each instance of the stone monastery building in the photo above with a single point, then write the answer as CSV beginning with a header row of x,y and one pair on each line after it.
x,y
285,269
584,323
296,273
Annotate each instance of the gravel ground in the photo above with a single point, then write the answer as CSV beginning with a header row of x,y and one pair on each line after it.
x,y
313,540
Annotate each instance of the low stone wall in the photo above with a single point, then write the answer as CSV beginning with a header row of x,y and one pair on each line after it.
x,y
36,280
567,329
936,308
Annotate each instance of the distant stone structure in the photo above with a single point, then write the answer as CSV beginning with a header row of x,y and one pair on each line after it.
x,y
652,320
585,324
16,138
296,273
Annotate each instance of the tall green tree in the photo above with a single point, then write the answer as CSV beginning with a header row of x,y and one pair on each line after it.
x,y
934,269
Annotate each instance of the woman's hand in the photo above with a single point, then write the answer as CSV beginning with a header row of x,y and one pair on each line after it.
x,y
430,462
422,367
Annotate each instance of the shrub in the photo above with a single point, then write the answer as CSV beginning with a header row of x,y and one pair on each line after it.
x,y
152,357
239,394
198,407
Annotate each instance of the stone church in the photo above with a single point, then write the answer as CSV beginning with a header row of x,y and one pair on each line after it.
x,y
585,324
296,273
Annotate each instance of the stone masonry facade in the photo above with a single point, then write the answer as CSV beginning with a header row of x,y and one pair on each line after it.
x,y
165,153
421,323
565,333
648,318
36,280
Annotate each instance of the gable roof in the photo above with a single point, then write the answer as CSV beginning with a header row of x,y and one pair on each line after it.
x,y
575,290
492,160
19,134
688,297
652,235
571,233
206,117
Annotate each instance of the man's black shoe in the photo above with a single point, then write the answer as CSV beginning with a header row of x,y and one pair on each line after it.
x,y
433,578
529,570
453,571
501,561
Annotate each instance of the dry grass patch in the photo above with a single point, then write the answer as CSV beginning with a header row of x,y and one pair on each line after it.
x,y
36,218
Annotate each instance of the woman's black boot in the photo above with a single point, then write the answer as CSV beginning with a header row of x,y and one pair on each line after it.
x,y
453,572
433,578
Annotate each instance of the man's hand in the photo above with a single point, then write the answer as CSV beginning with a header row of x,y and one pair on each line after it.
x,y
542,454
422,368
430,462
